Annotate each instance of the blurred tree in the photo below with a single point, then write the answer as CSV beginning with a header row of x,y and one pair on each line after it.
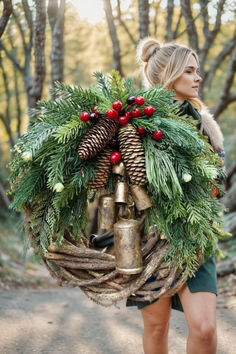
x,y
143,6
56,16
35,31
7,10
26,34
113,35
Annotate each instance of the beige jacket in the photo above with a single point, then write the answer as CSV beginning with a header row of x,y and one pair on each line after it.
x,y
210,128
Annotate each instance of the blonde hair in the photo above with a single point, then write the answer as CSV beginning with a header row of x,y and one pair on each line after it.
x,y
164,64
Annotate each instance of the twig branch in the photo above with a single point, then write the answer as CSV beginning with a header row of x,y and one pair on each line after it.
x,y
218,60
123,24
226,97
190,24
230,174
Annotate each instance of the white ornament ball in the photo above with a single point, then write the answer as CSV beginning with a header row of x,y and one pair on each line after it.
x,y
187,177
58,187
27,156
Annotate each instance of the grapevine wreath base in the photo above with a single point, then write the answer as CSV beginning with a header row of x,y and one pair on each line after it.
x,y
77,264
159,175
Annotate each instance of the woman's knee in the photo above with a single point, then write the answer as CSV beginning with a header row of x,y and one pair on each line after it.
x,y
158,331
204,331
156,324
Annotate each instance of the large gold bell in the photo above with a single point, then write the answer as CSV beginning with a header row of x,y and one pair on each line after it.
x,y
141,198
106,212
127,247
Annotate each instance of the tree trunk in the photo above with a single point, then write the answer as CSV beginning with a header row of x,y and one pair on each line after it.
x,y
170,12
35,93
5,118
143,6
113,34
7,10
56,16
4,197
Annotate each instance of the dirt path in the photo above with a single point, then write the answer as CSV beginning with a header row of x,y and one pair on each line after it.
x,y
64,321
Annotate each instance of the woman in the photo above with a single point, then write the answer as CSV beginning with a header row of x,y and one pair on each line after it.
x,y
177,67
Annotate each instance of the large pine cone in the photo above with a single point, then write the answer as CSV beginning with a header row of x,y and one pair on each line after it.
x,y
133,154
102,170
97,138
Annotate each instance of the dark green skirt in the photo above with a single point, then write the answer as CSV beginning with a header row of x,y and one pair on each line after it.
x,y
204,280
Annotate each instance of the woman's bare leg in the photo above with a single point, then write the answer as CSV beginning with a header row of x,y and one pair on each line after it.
x,y
156,325
200,313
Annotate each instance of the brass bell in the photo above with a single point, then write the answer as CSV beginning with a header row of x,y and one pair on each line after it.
x,y
106,212
122,192
127,211
141,198
119,169
128,253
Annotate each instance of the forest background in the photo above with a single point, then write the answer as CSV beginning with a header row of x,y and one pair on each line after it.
x,y
46,41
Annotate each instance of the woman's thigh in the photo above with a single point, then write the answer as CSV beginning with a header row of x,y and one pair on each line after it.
x,y
157,314
199,309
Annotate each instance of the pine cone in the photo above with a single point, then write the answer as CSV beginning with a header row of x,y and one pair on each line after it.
x,y
97,138
133,154
102,170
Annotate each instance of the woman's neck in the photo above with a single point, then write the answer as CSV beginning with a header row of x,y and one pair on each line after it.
x,y
180,99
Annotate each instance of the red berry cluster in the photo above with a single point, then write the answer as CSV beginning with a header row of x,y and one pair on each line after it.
x,y
157,135
117,112
139,101
85,116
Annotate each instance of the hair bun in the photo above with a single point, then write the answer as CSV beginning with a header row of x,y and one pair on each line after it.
x,y
146,48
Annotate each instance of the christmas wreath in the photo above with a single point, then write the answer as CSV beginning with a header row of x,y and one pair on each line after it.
x,y
155,176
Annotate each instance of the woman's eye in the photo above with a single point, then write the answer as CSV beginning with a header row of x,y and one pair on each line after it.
x,y
188,71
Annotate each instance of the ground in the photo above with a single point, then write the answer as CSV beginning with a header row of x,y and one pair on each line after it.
x,y
36,316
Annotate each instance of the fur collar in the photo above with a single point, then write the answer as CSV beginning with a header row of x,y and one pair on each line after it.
x,y
210,128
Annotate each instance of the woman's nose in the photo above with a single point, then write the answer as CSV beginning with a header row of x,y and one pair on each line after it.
x,y
198,78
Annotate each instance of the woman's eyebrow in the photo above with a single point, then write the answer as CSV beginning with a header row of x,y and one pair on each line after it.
x,y
192,67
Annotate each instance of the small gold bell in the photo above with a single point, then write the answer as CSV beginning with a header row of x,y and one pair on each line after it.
x,y
127,247
141,198
119,169
127,211
122,192
106,212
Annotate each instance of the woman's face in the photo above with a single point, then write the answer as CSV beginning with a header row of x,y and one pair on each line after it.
x,y
186,86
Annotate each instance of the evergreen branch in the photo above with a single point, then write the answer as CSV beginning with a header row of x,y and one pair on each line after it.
x,y
30,184
160,171
103,83
71,130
